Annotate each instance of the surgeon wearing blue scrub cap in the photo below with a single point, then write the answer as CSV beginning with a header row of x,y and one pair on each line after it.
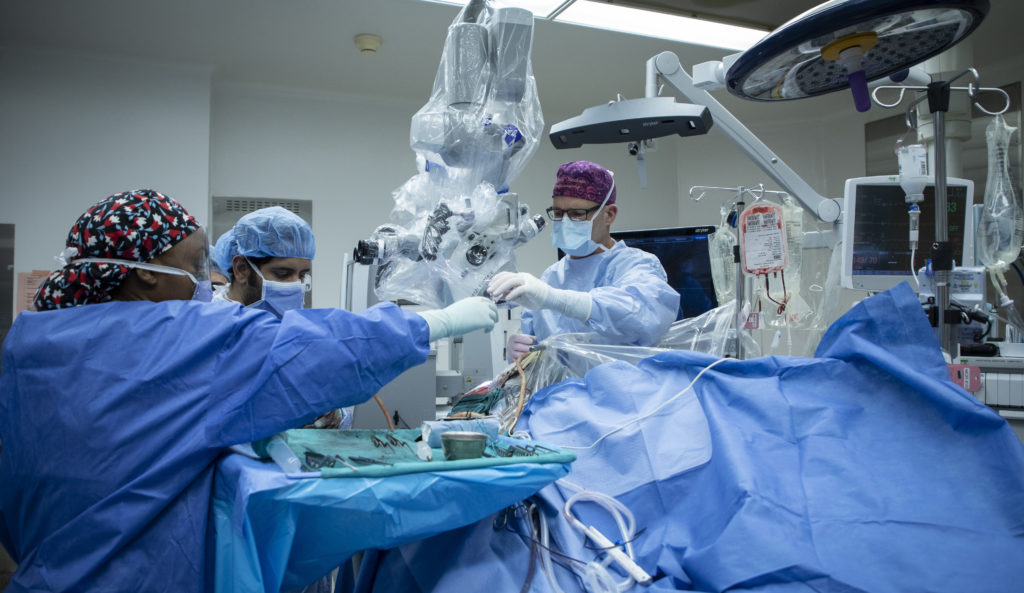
x,y
119,394
602,287
267,257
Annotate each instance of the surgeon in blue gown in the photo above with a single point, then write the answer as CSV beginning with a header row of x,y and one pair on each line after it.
x,y
120,393
267,257
603,286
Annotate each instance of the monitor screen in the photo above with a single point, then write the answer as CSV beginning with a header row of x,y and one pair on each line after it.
x,y
683,253
876,244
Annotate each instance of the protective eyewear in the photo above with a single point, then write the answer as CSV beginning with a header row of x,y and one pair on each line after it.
x,y
575,214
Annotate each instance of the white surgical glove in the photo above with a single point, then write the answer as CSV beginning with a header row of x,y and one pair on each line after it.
x,y
530,292
461,317
518,346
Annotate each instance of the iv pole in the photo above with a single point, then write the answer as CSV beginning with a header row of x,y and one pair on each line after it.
x,y
937,95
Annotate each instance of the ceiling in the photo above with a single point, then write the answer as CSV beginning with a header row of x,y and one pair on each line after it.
x,y
308,44
754,13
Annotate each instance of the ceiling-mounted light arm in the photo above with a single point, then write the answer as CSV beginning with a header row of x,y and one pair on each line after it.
x,y
666,65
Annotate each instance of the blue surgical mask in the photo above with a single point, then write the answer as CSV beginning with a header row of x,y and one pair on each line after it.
x,y
203,292
574,236
279,297
203,289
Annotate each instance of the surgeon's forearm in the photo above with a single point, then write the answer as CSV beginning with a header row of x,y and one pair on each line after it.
x,y
571,303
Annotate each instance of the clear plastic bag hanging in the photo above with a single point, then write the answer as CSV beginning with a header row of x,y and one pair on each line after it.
x,y
723,265
1001,225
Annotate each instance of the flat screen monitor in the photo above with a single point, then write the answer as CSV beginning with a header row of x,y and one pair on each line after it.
x,y
876,243
683,253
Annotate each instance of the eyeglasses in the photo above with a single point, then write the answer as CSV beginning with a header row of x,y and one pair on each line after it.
x,y
575,214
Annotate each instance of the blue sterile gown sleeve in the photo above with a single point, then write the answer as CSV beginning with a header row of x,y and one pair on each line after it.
x,y
633,303
112,416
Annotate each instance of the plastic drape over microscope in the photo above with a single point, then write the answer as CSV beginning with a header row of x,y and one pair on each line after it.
x,y
455,224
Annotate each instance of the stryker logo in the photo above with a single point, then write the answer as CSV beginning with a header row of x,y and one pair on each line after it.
x,y
648,124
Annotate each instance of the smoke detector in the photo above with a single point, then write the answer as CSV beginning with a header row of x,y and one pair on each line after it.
x,y
368,43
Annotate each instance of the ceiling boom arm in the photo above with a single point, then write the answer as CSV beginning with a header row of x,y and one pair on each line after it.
x,y
666,66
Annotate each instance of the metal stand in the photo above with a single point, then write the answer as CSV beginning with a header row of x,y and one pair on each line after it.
x,y
737,208
937,94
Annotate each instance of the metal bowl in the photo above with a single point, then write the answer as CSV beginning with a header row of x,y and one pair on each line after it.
x,y
463,445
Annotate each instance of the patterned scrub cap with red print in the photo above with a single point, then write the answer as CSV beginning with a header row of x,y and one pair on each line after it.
x,y
137,226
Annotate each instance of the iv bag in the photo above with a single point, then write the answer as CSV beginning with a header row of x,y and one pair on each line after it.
x,y
797,310
762,239
793,218
1001,224
723,264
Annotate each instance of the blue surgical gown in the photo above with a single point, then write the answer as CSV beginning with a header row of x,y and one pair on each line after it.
x,y
633,303
112,416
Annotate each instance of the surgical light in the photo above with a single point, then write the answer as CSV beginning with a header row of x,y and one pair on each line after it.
x,y
631,120
847,43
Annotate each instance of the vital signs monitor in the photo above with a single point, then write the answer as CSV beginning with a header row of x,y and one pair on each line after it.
x,y
876,245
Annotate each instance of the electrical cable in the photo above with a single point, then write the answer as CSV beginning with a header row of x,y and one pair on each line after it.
x,y
545,551
652,412
913,272
522,392
545,558
387,418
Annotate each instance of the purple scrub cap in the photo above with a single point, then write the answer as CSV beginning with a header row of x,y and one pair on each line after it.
x,y
584,180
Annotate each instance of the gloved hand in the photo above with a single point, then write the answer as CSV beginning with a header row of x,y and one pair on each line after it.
x,y
530,292
461,317
518,346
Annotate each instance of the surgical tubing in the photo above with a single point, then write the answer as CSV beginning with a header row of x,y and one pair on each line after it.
x,y
596,574
545,553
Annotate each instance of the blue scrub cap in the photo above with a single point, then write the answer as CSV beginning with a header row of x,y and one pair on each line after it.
x,y
223,251
268,232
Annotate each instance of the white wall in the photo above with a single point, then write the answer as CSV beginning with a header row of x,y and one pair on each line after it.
x,y
75,129
348,154
824,150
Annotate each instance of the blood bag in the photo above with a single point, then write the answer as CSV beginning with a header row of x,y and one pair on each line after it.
x,y
762,239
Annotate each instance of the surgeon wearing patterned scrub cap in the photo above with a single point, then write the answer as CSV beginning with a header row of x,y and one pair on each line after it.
x,y
119,394
127,248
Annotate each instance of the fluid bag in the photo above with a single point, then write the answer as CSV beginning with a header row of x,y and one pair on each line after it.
x,y
798,312
1001,225
723,263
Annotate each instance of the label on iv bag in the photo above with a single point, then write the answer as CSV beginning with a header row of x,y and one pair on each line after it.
x,y
762,239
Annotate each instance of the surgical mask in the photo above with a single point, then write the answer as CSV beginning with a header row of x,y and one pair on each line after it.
x,y
573,237
203,291
279,297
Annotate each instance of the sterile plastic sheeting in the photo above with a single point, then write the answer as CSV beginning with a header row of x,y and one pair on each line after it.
x,y
573,355
276,533
453,225
863,469
565,356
